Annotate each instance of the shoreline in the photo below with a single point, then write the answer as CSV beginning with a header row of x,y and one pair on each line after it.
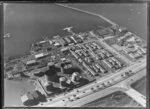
x,y
9,58
23,55
70,8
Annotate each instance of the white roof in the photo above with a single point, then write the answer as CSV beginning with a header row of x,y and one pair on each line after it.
x,y
62,79
30,61
50,63
25,97
63,49
39,55
56,44
42,41
131,39
63,59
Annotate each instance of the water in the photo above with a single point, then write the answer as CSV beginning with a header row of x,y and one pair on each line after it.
x,y
29,23
131,15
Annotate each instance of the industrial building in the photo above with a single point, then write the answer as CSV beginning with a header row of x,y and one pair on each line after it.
x,y
74,61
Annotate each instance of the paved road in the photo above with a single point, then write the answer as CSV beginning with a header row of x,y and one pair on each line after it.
x,y
138,97
111,49
63,100
87,95
123,86
135,95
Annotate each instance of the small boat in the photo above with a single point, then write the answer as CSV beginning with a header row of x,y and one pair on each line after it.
x,y
68,29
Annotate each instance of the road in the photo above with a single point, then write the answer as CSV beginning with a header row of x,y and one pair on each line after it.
x,y
98,95
138,97
122,86
86,95
91,92
135,95
111,49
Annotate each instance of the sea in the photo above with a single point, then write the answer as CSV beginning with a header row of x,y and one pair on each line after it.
x,y
28,23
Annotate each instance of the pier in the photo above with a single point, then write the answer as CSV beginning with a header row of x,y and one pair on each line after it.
x,y
91,13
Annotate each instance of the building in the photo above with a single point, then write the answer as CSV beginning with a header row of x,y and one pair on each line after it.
x,y
95,44
89,69
40,55
42,87
27,99
131,39
101,55
64,50
40,47
95,69
143,50
78,40
132,55
63,83
50,63
137,55
9,75
74,54
75,77
29,59
106,31
73,39
30,62
57,44
35,94
107,63
101,68
81,36
67,40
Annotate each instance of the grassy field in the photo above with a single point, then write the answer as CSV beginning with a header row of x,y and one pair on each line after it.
x,y
120,99
117,99
140,85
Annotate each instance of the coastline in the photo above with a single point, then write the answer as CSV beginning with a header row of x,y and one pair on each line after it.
x,y
8,42
24,34
18,56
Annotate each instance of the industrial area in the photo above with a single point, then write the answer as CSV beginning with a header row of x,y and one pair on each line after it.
x,y
73,70
59,66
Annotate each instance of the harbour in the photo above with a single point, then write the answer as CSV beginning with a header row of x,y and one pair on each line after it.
x,y
28,35
35,24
